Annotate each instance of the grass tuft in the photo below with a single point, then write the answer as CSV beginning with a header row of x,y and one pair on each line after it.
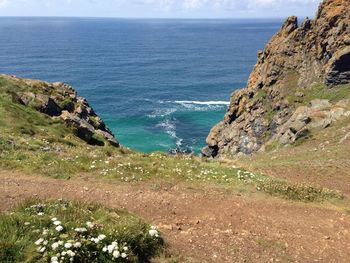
x,y
27,224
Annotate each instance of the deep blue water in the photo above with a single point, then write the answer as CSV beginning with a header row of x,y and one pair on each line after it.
x,y
158,84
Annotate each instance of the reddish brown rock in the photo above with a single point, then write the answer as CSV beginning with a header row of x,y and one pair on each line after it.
x,y
296,58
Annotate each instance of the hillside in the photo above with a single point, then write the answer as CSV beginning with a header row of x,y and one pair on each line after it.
x,y
198,204
277,190
299,84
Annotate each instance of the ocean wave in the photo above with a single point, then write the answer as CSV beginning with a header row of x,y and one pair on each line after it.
x,y
161,113
201,105
168,108
202,102
169,126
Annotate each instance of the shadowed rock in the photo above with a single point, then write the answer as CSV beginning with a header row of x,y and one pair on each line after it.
x,y
294,59
61,100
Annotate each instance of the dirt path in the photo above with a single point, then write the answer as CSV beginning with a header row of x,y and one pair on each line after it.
x,y
208,225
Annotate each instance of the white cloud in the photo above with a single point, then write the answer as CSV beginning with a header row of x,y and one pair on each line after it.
x,y
3,3
220,4
160,8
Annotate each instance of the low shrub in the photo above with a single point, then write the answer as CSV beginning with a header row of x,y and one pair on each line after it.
x,y
60,232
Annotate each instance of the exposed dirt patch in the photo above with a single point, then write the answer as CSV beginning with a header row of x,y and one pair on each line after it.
x,y
207,225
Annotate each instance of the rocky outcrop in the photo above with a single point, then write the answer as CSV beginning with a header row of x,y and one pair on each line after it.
x,y
60,100
320,114
297,58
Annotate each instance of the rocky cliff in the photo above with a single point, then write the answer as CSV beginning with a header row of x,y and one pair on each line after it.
x,y
60,101
285,94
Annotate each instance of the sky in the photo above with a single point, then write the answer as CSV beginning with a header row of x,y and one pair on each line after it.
x,y
160,8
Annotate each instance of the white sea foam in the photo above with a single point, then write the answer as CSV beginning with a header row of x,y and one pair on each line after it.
x,y
161,113
202,102
170,107
169,127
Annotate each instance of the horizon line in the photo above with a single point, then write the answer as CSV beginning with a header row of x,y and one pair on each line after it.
x,y
153,18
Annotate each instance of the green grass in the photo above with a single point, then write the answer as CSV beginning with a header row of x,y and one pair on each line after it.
x,y
21,228
34,143
261,94
318,91
333,94
298,192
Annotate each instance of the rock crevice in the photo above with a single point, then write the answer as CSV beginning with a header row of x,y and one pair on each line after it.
x,y
60,100
297,58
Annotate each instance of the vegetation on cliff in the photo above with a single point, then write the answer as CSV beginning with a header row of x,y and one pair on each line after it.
x,y
35,142
299,66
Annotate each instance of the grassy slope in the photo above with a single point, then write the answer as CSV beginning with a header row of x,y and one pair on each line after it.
x,y
35,143
290,89
321,159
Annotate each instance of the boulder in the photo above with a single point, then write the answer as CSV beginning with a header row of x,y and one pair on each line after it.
x,y
295,128
319,104
209,151
82,128
109,137
25,98
47,105
290,25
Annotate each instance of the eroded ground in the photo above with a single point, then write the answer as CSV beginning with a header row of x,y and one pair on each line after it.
x,y
206,224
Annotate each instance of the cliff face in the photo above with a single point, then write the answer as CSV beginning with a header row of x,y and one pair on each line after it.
x,y
60,101
294,62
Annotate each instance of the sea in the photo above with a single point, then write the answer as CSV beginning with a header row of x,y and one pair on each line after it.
x,y
159,84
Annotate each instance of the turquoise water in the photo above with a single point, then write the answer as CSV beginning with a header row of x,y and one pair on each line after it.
x,y
158,84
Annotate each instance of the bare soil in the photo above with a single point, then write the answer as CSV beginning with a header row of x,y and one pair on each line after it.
x,y
207,224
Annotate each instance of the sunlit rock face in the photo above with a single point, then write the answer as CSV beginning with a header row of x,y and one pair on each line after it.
x,y
298,57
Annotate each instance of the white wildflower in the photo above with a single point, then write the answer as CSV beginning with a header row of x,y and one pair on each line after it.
x,y
54,219
68,245
26,223
40,214
111,248
95,240
125,248
80,229
101,237
39,241
59,228
77,244
54,260
115,243
70,253
57,223
116,254
153,232
55,245
124,255
89,224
